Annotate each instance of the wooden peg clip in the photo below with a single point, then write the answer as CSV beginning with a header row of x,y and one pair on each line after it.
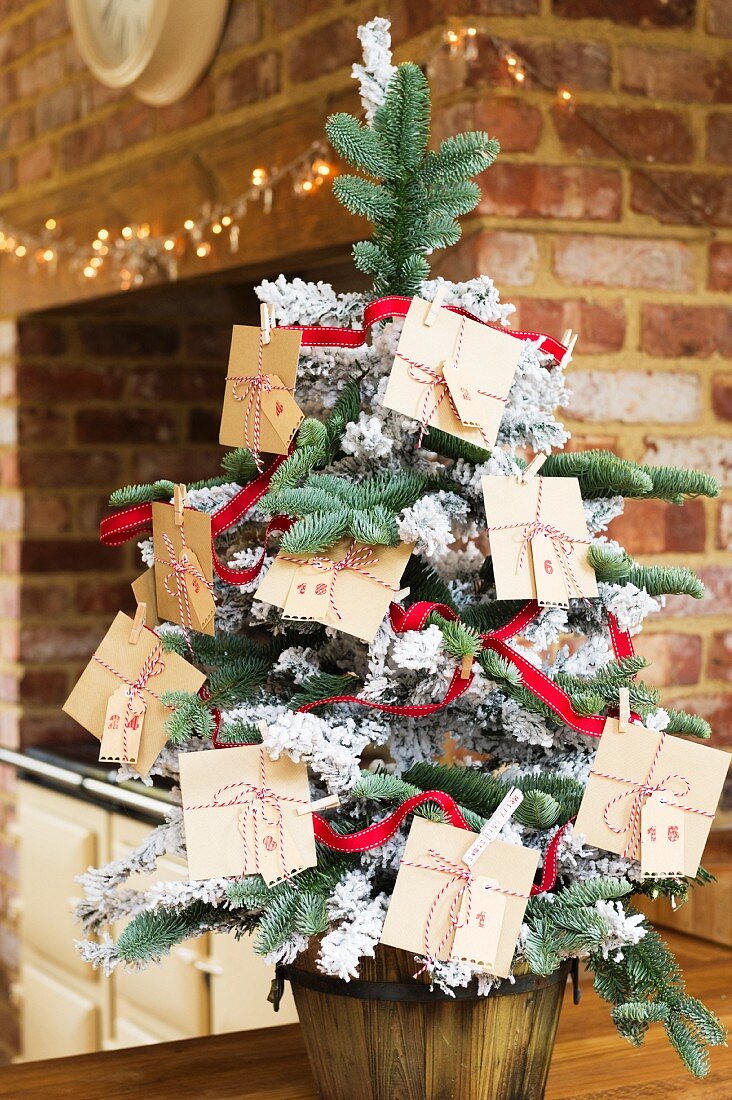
x,y
624,712
400,595
569,345
179,503
533,468
266,320
466,667
138,623
328,803
262,727
435,306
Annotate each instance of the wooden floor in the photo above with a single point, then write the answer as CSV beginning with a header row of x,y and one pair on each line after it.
x,y
590,1061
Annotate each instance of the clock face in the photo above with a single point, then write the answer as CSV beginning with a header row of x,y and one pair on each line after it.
x,y
118,27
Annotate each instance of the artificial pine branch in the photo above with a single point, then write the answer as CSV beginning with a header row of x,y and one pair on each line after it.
x,y
657,580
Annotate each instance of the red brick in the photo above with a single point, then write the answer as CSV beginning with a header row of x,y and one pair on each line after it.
x,y
682,75
655,527
7,88
719,663
90,508
183,464
42,425
323,50
724,527
9,598
642,13
515,124
41,71
104,597
122,339
634,397
83,146
248,82
683,330
410,18
509,258
69,556
243,27
54,468
16,129
719,139
208,341
720,266
43,685
11,511
189,383
601,325
702,452
716,708
35,164
44,599
125,425
719,18
37,337
51,727
53,382
47,514
52,20
193,108
57,108
683,198
203,424
621,261
129,125
15,41
623,133
547,191
722,396
717,599
674,658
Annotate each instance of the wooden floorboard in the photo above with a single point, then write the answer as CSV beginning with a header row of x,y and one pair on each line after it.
x,y
590,1061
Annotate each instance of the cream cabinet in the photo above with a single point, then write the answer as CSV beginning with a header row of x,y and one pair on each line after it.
x,y
211,984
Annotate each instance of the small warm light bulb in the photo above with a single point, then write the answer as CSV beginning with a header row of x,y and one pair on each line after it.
x,y
321,167
10,244
103,234
97,245
51,223
48,255
565,95
307,185
21,250
188,224
217,228
143,231
103,251
127,232
511,61
452,37
519,76
259,176
471,32
95,261
169,245
89,272
203,249
226,220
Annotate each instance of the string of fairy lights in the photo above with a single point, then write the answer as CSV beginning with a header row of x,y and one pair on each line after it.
x,y
133,254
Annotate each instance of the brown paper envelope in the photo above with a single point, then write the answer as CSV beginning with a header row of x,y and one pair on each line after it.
x,y
197,528
629,755
662,839
87,703
511,865
512,504
144,591
361,602
280,358
217,843
491,356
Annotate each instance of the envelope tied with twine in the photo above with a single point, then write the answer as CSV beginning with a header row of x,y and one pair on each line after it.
x,y
118,697
446,910
349,586
452,373
240,812
539,539
184,568
260,411
652,796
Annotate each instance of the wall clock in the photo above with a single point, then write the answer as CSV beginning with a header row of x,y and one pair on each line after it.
x,y
156,48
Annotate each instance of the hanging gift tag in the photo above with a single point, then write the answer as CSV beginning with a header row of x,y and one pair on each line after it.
x,y
122,727
662,838
184,568
200,596
475,405
480,921
552,580
259,382
308,596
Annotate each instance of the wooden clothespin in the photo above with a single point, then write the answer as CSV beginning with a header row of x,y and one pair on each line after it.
x,y
624,711
435,306
493,825
566,336
569,345
400,595
533,468
138,623
179,503
328,803
467,666
262,727
266,320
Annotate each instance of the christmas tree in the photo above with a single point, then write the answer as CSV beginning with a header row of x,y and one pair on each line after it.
x,y
436,689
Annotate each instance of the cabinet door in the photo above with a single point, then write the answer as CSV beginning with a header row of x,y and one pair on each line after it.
x,y
57,1019
60,837
240,983
175,992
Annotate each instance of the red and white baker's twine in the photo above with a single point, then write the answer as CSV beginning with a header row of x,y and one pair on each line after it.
x,y
179,567
260,805
638,792
255,385
435,381
464,876
153,665
562,543
360,561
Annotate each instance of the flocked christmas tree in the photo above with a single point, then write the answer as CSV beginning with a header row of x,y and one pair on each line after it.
x,y
357,472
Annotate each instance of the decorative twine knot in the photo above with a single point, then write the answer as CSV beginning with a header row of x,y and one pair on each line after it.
x,y
179,567
360,561
254,386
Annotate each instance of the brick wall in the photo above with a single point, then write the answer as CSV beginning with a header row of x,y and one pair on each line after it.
x,y
625,237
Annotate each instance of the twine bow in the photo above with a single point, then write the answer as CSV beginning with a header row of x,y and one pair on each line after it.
x,y
153,665
360,561
254,386
179,568
638,792
461,902
438,389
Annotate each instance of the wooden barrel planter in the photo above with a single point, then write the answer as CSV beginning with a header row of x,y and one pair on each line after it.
x,y
389,1037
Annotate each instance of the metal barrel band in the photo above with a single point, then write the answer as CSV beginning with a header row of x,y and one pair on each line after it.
x,y
414,992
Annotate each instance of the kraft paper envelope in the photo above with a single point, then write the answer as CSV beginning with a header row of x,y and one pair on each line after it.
x,y
240,814
510,865
143,588
691,776
279,415
309,591
87,703
193,540
478,364
539,539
